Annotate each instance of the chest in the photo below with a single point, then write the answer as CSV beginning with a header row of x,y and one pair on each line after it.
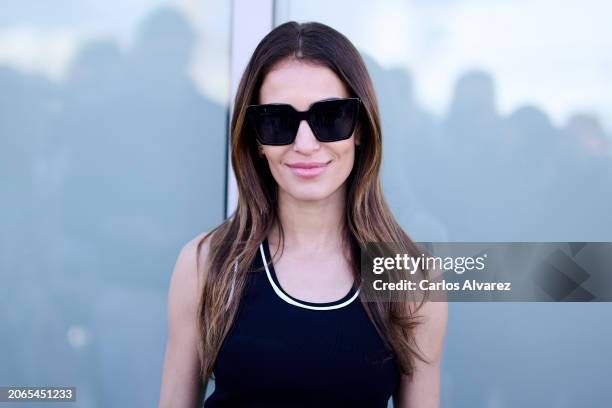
x,y
276,348
314,279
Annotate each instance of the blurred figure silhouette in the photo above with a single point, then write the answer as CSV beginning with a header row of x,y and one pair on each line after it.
x,y
108,172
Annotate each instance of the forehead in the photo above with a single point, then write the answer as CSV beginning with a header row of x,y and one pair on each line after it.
x,y
300,84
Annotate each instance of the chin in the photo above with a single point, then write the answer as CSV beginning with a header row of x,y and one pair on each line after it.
x,y
310,194
310,191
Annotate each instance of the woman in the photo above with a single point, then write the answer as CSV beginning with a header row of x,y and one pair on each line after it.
x,y
269,302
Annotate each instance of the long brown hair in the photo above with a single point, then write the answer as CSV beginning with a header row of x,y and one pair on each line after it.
x,y
234,243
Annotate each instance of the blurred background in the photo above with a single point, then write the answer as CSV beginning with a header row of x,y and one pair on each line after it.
x,y
497,126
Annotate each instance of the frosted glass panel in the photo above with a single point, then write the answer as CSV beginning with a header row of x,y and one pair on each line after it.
x,y
113,128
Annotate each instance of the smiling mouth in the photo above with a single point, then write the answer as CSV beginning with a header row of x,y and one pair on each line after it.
x,y
308,170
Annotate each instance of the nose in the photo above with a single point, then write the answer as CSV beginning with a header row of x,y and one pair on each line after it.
x,y
305,141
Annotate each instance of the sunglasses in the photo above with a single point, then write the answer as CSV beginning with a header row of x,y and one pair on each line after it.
x,y
331,120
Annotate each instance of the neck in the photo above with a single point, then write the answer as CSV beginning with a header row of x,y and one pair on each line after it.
x,y
312,226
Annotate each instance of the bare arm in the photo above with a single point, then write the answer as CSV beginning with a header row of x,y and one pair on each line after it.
x,y
181,384
423,390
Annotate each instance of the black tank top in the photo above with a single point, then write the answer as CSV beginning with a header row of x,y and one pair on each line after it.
x,y
285,352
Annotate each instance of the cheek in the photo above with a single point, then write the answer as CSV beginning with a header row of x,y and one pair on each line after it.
x,y
274,156
346,159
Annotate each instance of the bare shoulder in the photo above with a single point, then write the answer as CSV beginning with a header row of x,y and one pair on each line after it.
x,y
434,316
186,281
189,252
181,375
430,309
422,388
430,335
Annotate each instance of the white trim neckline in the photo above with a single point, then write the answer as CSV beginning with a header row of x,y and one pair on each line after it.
x,y
291,301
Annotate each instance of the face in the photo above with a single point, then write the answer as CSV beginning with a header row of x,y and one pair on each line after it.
x,y
300,84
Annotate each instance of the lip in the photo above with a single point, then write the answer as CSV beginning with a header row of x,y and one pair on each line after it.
x,y
308,169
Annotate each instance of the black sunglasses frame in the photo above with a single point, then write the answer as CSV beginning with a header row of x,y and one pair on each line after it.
x,y
252,111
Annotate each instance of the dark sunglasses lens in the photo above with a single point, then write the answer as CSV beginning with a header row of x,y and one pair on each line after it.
x,y
334,120
273,124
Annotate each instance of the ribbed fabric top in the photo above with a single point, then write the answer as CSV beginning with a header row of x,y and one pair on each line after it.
x,y
285,352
